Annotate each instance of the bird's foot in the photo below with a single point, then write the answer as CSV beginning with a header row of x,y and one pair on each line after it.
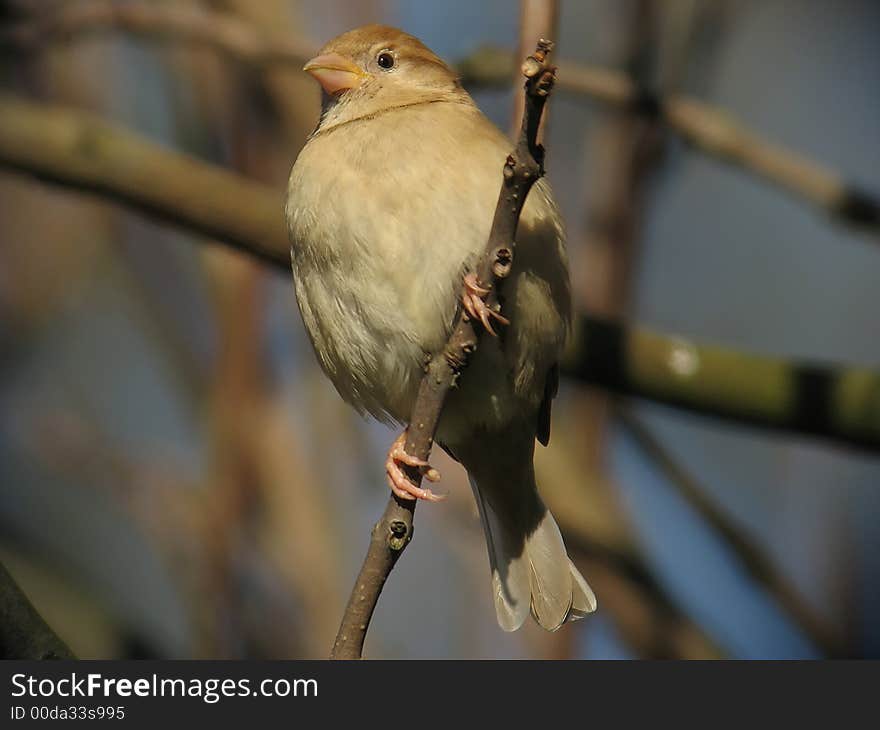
x,y
398,480
473,300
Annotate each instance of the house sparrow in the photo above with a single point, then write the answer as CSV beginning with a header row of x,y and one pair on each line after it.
x,y
389,207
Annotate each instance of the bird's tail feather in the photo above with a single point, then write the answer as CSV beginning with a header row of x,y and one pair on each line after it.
x,y
531,571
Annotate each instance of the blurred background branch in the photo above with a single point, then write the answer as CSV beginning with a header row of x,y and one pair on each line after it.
x,y
626,148
753,558
828,401
710,130
23,632
225,32
85,152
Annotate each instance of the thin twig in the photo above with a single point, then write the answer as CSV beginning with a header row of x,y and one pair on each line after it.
x,y
393,532
537,19
751,556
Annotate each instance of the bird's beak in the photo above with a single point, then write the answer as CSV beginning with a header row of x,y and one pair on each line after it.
x,y
335,73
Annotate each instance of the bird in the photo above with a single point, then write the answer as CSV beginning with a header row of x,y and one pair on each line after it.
x,y
389,206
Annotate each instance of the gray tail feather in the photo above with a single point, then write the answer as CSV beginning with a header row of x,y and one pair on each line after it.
x,y
531,571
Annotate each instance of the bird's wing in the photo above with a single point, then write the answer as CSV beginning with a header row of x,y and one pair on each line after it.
x,y
551,387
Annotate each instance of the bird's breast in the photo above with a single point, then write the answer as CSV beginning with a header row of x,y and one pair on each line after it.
x,y
379,243
385,217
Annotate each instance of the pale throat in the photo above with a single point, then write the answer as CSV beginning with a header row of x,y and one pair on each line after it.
x,y
355,106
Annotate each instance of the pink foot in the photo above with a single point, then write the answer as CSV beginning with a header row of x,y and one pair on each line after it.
x,y
398,480
476,307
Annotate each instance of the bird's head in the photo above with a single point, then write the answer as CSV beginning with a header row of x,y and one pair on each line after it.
x,y
377,67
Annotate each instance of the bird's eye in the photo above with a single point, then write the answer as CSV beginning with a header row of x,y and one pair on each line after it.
x,y
385,60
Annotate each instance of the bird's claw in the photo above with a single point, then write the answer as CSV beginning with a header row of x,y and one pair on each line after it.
x,y
398,480
474,304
